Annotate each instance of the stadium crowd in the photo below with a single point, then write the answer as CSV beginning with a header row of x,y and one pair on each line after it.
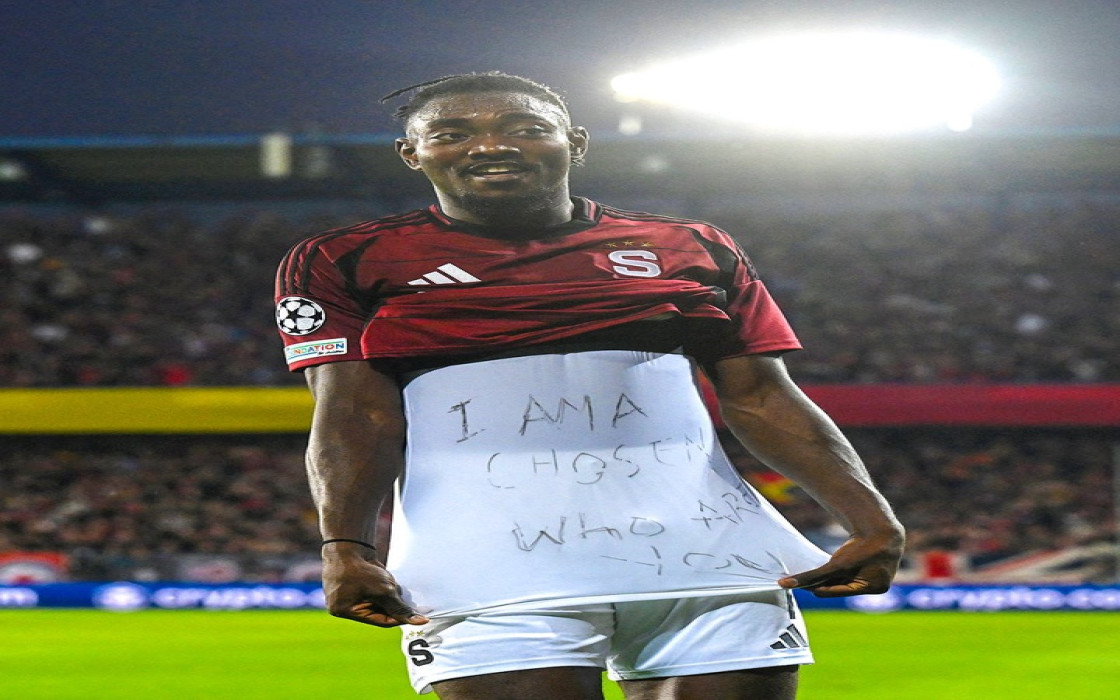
x,y
985,495
149,509
937,294
949,294
165,297
135,511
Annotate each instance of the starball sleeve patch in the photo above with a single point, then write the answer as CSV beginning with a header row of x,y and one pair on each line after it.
x,y
299,316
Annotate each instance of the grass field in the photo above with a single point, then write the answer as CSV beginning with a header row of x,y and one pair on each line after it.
x,y
183,655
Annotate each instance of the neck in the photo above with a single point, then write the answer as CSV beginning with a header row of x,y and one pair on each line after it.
x,y
511,213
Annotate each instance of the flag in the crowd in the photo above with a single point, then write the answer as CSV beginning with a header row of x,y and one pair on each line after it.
x,y
23,568
773,486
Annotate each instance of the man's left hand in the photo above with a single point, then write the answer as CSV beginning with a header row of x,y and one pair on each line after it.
x,y
862,565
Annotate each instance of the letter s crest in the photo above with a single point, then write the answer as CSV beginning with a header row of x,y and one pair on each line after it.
x,y
635,263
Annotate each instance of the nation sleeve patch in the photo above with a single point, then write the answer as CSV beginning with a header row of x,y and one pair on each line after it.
x,y
315,348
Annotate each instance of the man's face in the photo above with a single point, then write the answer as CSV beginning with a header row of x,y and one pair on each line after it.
x,y
493,150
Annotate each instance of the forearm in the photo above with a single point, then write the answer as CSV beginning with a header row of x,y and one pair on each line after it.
x,y
353,457
354,450
802,443
784,429
350,478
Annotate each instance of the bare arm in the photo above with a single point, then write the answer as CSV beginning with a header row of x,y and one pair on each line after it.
x,y
354,454
782,427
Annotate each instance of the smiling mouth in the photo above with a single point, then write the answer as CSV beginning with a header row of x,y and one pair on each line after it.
x,y
496,170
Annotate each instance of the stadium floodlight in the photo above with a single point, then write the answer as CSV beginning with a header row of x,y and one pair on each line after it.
x,y
830,83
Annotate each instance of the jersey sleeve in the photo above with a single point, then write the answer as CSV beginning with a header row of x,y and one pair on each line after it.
x,y
319,318
757,323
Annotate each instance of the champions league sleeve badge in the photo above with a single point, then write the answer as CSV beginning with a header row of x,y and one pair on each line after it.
x,y
299,316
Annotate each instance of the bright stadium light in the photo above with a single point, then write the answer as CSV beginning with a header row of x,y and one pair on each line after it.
x,y
842,83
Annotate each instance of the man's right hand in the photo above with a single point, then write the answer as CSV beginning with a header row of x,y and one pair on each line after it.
x,y
364,591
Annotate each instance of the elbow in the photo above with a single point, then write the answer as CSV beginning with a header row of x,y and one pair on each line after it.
x,y
387,427
360,427
761,407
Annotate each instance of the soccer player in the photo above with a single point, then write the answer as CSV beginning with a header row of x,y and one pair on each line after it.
x,y
515,370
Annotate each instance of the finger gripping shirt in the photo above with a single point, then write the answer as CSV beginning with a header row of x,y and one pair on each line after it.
x,y
422,285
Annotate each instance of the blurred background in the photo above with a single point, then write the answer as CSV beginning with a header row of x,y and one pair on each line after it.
x,y
954,273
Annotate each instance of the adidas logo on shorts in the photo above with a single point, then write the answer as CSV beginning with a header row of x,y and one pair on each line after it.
x,y
790,639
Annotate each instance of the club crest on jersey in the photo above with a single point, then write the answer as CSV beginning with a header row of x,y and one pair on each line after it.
x,y
299,316
635,263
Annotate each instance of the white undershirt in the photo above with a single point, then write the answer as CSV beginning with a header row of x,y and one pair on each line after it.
x,y
549,480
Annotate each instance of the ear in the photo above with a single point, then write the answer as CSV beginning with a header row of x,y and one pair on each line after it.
x,y
407,152
578,139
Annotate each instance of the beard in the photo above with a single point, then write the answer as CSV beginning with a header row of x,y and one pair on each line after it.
x,y
514,210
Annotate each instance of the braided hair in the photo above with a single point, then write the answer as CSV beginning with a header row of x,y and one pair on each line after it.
x,y
467,83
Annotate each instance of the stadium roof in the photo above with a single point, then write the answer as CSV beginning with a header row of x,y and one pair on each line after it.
x,y
176,68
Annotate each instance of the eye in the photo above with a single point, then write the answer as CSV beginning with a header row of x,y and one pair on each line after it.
x,y
534,130
447,136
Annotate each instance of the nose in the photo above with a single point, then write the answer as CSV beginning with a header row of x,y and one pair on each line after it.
x,y
489,145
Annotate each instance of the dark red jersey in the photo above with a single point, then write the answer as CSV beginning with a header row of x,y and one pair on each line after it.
x,y
423,286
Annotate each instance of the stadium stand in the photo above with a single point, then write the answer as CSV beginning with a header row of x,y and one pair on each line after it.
x,y
237,508
948,265
938,295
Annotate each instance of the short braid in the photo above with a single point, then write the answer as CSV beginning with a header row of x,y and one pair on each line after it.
x,y
467,83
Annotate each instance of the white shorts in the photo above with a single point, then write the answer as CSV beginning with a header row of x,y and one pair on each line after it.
x,y
631,640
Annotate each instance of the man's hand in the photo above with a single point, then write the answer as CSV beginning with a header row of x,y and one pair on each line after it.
x,y
861,565
365,592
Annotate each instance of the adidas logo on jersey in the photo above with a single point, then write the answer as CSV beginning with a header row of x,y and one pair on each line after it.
x,y
445,274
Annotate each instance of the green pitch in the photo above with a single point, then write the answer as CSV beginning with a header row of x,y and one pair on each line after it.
x,y
183,655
